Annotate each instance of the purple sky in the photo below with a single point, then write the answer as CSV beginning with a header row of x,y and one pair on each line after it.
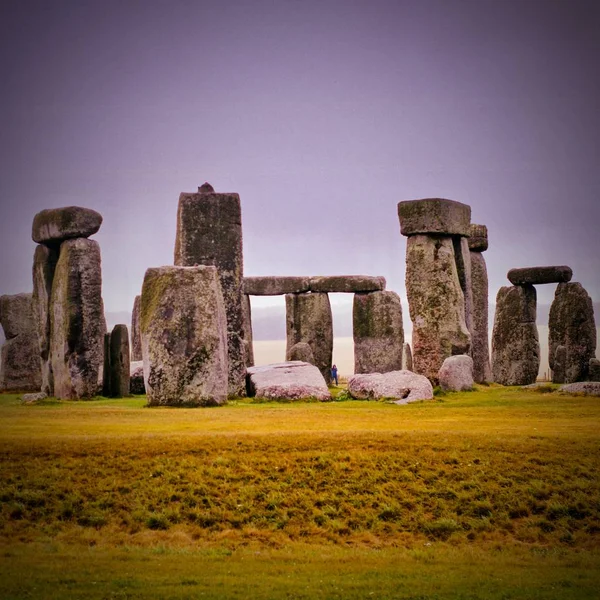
x,y
321,115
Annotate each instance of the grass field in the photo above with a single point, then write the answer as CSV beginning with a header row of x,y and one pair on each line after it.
x,y
488,494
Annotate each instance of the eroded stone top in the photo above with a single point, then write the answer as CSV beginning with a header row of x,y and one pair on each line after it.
x,y
54,225
478,238
539,275
206,188
434,215
278,286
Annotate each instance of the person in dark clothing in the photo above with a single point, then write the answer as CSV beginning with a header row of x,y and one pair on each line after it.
x,y
334,376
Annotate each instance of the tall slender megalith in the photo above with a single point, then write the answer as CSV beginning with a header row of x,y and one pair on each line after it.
x,y
480,351
209,232
136,340
119,361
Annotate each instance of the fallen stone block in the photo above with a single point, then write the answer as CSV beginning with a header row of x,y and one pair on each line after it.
x,y
456,374
589,388
404,386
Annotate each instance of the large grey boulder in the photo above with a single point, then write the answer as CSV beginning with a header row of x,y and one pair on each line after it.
x,y
308,319
434,216
44,265
247,327
20,368
119,362
136,377
456,374
77,321
302,352
588,388
482,372
404,386
347,284
53,225
540,275
292,380
209,232
184,336
378,332
571,324
436,303
136,338
275,285
515,341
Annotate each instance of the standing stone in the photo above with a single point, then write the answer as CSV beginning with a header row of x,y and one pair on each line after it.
x,y
571,324
209,232
44,265
308,319
515,342
478,242
407,361
300,352
436,303
19,358
559,373
594,370
106,367
77,319
119,362
136,340
248,341
463,269
378,332
184,336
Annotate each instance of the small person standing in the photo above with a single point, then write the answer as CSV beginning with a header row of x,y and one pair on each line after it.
x,y
334,376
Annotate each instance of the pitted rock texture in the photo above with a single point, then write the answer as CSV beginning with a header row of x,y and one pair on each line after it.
x,y
436,303
275,285
54,225
594,370
559,372
184,337
540,275
404,386
456,374
407,361
209,232
104,382
347,284
478,238
515,342
136,339
44,265
588,388
480,350
434,216
378,332
571,324
463,269
19,357
302,352
77,321
119,362
136,377
292,380
248,337
308,319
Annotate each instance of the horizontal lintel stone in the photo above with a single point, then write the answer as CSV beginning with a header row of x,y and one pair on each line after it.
x,y
539,275
434,216
277,286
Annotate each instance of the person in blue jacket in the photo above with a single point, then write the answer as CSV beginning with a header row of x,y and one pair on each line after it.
x,y
334,376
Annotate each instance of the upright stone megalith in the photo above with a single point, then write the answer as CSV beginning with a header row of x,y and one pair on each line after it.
x,y
515,342
480,352
119,361
308,319
136,340
209,232
77,319
571,324
20,368
438,280
248,338
184,336
378,332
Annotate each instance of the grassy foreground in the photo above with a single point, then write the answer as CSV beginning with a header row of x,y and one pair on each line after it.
x,y
488,494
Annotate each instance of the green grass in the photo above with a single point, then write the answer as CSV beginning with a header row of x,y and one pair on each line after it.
x,y
487,494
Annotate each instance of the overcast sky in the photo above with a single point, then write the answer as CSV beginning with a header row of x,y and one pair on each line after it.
x,y
321,115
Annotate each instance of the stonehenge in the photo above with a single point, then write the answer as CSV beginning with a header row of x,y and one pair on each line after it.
x,y
117,362
456,373
136,340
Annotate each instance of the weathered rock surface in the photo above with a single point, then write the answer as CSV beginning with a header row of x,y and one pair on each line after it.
x,y
105,368
456,374
539,275
275,285
589,388
33,398
136,338
594,370
44,265
292,380
407,361
308,319
571,324
53,225
478,238
19,357
209,232
463,268
119,362
378,332
482,371
136,377
515,342
347,284
77,320
436,303
301,352
248,337
559,373
405,386
434,216
184,336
